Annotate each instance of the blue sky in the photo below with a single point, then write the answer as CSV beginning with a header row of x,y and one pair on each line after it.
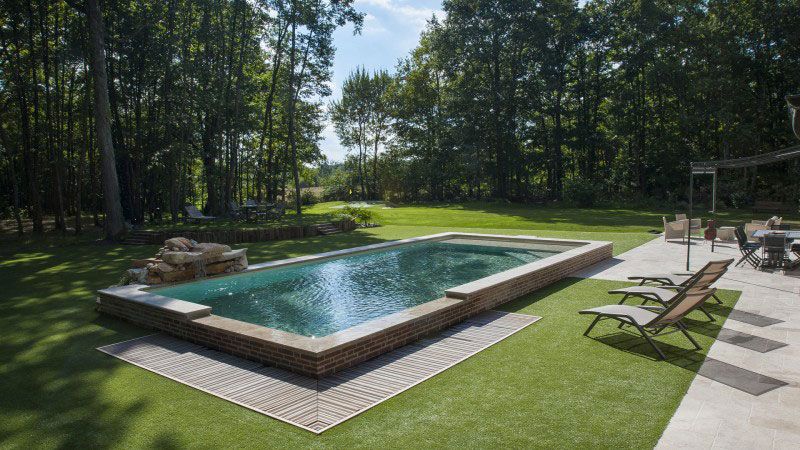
x,y
391,30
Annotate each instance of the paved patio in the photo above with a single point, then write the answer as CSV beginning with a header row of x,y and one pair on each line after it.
x,y
714,414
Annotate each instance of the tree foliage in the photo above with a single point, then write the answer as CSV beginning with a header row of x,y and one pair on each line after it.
x,y
515,99
211,101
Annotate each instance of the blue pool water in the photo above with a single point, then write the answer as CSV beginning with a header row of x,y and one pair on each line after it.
x,y
320,298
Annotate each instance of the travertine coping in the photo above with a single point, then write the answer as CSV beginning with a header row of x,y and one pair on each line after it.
x,y
469,290
137,293
318,356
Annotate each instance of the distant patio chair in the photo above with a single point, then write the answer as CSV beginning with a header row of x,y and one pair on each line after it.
x,y
773,252
674,230
746,248
235,210
276,211
194,215
695,224
771,223
653,320
749,228
666,294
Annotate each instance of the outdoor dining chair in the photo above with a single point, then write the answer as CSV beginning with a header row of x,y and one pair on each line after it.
x,y
773,252
746,248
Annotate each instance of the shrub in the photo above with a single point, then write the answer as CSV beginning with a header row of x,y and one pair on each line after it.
x,y
307,197
358,214
740,199
582,192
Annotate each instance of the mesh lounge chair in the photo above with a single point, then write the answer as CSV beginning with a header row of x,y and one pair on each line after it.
x,y
747,249
653,320
195,215
673,279
665,294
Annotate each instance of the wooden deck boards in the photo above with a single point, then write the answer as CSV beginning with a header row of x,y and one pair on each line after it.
x,y
316,405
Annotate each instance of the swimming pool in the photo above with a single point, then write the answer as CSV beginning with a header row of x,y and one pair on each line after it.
x,y
321,298
318,314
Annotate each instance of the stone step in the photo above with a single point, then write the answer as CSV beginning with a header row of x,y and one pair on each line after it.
x,y
327,229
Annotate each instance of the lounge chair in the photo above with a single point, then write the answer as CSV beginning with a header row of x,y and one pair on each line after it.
x,y
674,230
679,279
235,210
666,294
747,249
194,215
653,320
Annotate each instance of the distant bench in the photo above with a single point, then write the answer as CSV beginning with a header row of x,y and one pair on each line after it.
x,y
773,207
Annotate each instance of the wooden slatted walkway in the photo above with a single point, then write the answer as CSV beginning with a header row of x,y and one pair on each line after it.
x,y
316,405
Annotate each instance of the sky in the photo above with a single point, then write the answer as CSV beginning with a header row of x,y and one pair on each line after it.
x,y
391,30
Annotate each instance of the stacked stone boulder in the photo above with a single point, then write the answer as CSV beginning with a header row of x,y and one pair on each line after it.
x,y
182,259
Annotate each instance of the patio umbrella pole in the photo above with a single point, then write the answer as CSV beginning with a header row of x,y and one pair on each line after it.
x,y
714,208
689,231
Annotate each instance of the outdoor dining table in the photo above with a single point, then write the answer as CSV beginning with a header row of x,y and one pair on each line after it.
x,y
790,235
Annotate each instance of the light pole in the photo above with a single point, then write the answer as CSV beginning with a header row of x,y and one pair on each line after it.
x,y
794,106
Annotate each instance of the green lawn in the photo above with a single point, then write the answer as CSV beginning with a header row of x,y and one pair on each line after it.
x,y
490,215
532,217
547,386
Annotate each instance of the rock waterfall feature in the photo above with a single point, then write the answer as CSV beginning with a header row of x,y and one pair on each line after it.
x,y
182,259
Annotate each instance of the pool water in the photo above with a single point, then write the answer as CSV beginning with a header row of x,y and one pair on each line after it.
x,y
320,298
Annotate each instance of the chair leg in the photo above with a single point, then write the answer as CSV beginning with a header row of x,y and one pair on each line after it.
x,y
714,296
705,311
624,297
652,343
594,322
685,332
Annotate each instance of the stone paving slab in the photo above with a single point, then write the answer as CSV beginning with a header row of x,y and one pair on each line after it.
x,y
748,341
736,377
753,318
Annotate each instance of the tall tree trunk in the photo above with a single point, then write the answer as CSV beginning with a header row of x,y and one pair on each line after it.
x,y
30,138
12,167
114,223
291,112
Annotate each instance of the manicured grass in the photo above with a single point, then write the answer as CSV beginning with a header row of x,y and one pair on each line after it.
x,y
532,217
547,386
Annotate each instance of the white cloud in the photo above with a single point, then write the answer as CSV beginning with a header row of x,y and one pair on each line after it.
x,y
412,15
372,25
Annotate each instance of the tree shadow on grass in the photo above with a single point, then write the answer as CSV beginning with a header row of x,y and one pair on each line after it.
x,y
56,389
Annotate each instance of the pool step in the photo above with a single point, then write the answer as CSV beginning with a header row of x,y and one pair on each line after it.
x,y
327,229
